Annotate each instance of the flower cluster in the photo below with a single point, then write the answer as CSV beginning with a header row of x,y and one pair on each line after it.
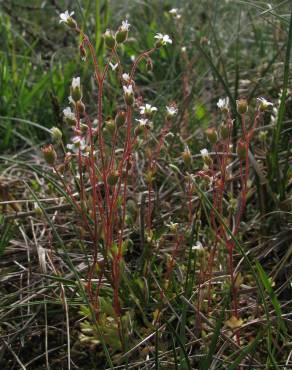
x,y
112,39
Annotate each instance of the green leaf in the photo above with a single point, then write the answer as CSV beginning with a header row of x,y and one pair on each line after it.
x,y
267,284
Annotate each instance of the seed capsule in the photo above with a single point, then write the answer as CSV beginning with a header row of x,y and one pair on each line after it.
x,y
56,134
113,177
50,154
211,135
120,118
109,39
241,150
242,106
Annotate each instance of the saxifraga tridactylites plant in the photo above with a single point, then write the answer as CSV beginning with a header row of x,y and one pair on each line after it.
x,y
98,165
218,173
97,168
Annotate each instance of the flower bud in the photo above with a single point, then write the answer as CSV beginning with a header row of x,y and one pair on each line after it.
x,y
83,128
238,280
206,158
198,247
149,65
132,207
263,135
241,150
208,161
224,131
120,118
211,135
242,106
76,93
38,211
56,134
110,126
187,157
129,165
204,40
121,36
232,204
50,154
113,177
128,94
150,176
140,129
80,107
109,39
61,168
82,51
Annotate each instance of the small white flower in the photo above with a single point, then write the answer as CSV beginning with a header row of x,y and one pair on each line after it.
x,y
264,104
163,39
171,111
173,11
147,109
264,101
126,77
142,121
128,90
77,140
223,104
183,49
173,226
77,143
204,152
68,113
75,83
198,246
65,17
125,26
114,66
133,57
71,101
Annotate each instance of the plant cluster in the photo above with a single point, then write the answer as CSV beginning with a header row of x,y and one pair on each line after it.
x,y
152,232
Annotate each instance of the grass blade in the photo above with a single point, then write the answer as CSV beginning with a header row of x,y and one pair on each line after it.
x,y
275,174
206,361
